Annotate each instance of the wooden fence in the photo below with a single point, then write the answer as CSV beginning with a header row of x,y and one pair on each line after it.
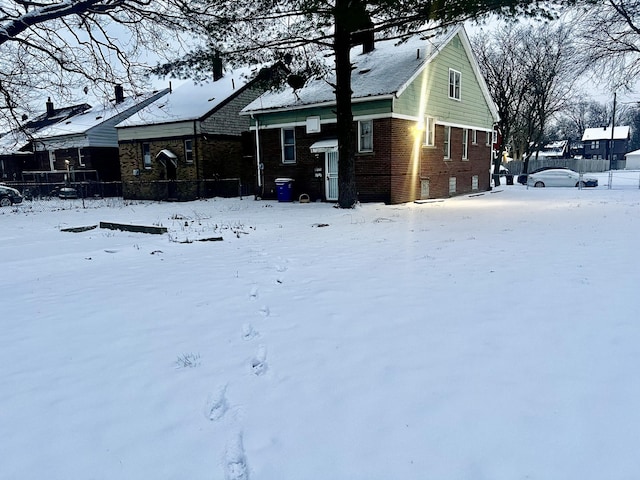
x,y
581,165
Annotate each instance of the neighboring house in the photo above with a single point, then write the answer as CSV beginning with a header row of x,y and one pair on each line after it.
x,y
557,149
633,160
597,144
16,146
177,146
423,119
89,141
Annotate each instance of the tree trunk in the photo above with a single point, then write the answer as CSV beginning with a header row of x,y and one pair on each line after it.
x,y
347,195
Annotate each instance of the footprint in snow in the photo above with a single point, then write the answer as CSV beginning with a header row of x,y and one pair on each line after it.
x,y
235,460
259,362
248,332
265,311
217,405
254,293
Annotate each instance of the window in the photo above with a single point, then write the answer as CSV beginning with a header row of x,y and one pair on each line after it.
x,y
595,144
494,137
288,145
454,84
474,137
474,182
488,141
465,144
146,155
81,157
430,132
188,151
447,142
365,134
452,185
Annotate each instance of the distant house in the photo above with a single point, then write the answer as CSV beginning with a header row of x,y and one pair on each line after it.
x,y
88,140
633,160
191,139
423,119
597,144
555,150
16,146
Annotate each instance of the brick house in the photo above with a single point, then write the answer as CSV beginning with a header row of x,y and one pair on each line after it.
x,y
423,119
190,141
88,140
597,144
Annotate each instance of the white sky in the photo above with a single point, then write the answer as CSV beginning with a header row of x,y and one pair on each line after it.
x,y
486,337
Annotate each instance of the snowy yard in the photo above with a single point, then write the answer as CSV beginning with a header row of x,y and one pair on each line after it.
x,y
490,337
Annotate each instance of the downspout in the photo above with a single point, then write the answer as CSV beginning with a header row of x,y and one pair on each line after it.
x,y
258,163
195,158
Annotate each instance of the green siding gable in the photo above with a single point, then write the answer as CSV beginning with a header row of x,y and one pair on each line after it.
x,y
428,93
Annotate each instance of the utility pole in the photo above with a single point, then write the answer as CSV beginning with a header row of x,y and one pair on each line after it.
x,y
613,128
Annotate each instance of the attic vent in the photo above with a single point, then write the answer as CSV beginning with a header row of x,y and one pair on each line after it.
x,y
364,70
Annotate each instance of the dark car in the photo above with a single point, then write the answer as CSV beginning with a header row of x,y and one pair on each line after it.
x,y
64,192
9,196
522,178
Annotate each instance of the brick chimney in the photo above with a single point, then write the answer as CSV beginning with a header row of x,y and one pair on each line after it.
x,y
217,67
119,94
368,43
49,107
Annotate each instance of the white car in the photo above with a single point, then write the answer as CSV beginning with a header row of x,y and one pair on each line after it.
x,y
560,177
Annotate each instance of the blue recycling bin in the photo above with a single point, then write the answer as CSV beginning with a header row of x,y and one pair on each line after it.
x,y
284,187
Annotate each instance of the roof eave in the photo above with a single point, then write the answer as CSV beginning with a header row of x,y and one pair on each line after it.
x,y
332,103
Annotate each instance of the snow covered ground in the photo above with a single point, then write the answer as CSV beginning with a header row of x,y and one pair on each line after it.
x,y
479,337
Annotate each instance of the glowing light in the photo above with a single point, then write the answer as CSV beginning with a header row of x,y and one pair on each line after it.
x,y
417,131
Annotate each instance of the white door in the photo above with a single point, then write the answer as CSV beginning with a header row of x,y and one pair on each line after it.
x,y
331,181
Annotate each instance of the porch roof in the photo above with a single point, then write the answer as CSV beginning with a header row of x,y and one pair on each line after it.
x,y
327,145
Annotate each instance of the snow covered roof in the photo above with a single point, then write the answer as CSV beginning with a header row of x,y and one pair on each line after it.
x,y
14,141
83,122
190,101
604,133
385,71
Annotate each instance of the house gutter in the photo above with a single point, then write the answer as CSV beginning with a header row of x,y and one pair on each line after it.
x,y
331,103
258,163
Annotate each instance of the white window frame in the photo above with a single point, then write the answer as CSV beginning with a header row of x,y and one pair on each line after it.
x,y
430,131
489,138
81,157
146,155
188,150
455,83
365,139
446,144
286,160
465,144
474,137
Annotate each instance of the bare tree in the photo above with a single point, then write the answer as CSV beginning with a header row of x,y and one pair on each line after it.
x,y
535,85
51,47
610,43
